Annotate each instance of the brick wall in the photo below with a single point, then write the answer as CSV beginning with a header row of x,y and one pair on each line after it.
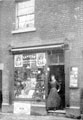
x,y
56,21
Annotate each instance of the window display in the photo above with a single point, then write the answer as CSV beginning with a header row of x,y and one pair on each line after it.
x,y
29,78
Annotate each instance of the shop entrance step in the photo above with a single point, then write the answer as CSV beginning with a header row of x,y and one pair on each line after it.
x,y
57,112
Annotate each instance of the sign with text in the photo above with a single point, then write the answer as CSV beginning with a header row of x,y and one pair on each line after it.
x,y
74,77
40,59
18,60
22,108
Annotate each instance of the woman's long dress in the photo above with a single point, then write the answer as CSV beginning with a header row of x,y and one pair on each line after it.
x,y
53,100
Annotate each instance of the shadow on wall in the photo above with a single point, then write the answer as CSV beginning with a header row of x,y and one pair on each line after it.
x,y
1,99
81,101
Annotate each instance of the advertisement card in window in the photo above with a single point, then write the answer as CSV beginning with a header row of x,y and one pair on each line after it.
x,y
18,60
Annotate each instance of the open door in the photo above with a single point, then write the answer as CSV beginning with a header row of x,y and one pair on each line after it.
x,y
58,72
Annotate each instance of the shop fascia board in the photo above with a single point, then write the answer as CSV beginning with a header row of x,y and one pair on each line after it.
x,y
46,47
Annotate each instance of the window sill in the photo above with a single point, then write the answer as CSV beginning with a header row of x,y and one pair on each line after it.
x,y
23,30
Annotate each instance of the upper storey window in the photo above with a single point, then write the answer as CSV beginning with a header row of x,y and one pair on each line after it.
x,y
25,15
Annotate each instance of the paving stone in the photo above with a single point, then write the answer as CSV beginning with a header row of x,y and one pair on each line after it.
x,y
8,116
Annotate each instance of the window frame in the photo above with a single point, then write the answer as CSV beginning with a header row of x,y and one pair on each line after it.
x,y
23,29
37,75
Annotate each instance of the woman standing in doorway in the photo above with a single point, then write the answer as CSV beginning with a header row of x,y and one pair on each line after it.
x,y
53,99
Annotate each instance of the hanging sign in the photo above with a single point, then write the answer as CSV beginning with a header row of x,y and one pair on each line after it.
x,y
40,59
18,60
74,77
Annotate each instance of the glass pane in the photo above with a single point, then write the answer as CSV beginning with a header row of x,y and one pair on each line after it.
x,y
31,24
22,25
25,11
30,17
22,11
26,24
26,21
29,80
30,10
26,4
25,16
61,58
53,59
22,4
22,19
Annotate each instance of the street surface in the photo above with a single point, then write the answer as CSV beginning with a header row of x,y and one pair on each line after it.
x,y
8,116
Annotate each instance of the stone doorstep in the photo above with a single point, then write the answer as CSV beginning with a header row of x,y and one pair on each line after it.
x,y
42,107
57,111
61,113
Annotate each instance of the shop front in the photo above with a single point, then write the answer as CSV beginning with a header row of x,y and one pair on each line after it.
x,y
32,70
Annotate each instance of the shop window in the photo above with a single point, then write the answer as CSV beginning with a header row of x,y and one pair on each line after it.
x,y
25,15
61,57
29,76
55,57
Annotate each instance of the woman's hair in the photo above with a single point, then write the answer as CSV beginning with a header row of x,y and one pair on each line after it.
x,y
52,75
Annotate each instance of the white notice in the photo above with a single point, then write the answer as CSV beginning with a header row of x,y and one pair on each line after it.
x,y
22,108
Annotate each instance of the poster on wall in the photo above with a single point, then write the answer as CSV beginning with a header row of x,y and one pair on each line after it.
x,y
74,77
18,61
40,59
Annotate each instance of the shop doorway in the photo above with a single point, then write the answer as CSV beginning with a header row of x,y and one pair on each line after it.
x,y
0,89
58,72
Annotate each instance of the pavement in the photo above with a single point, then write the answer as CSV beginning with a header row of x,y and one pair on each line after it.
x,y
11,116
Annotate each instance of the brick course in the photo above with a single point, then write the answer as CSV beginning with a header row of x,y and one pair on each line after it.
x,y
55,22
